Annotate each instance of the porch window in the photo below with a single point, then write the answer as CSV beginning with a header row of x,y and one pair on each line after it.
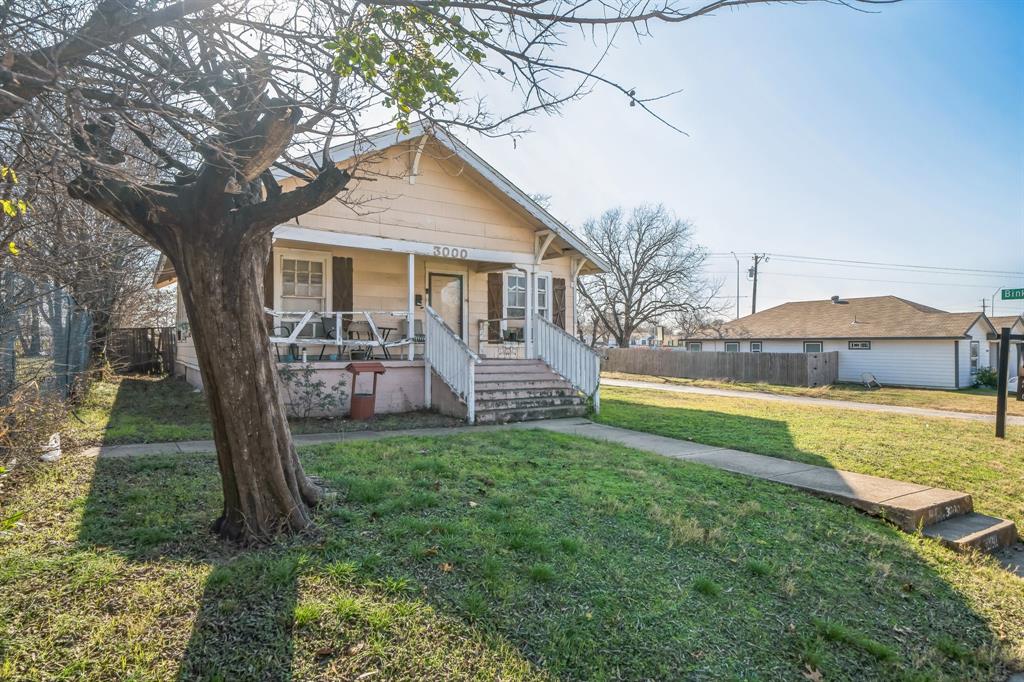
x,y
302,284
515,296
544,296
975,353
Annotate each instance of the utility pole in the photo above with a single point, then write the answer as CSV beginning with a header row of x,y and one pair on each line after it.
x,y
737,283
757,258
983,304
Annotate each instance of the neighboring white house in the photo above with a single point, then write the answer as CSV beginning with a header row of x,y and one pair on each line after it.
x,y
898,341
1016,325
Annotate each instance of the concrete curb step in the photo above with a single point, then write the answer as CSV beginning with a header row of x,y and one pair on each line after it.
x,y
973,532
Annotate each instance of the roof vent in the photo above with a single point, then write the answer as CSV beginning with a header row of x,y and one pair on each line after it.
x,y
837,301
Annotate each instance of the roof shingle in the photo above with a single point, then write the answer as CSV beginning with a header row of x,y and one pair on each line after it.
x,y
876,317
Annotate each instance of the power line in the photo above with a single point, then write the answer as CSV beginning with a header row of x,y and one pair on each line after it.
x,y
877,265
862,279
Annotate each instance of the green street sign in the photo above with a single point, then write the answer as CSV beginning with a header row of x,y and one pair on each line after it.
x,y
1013,294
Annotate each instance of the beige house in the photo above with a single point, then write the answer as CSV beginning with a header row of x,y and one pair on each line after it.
x,y
440,268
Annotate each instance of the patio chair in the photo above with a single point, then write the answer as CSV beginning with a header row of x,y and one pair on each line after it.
x,y
869,380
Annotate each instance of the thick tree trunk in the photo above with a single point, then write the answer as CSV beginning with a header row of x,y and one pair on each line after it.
x,y
266,490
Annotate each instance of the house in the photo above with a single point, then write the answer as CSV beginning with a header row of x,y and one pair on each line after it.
x,y
442,269
1016,326
898,341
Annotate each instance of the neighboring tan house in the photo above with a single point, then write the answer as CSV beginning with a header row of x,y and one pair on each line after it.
x,y
897,341
430,234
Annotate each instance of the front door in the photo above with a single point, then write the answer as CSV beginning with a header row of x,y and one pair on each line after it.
x,y
446,298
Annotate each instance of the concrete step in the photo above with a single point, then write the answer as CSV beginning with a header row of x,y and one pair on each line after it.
x,y
510,391
529,414
531,384
973,531
925,508
498,364
516,377
522,402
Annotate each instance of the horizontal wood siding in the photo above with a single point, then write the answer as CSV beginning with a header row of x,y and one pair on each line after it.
x,y
784,369
912,362
446,205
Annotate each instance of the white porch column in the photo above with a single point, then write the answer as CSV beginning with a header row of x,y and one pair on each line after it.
x,y
410,331
531,305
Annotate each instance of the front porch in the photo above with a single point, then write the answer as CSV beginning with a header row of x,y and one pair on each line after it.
x,y
433,320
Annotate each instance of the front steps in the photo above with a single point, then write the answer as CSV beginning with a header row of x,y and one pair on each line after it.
x,y
523,390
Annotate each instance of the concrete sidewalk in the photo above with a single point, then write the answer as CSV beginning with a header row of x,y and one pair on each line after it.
x,y
816,402
946,515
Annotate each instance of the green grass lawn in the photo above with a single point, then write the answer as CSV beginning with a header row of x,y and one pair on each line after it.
x,y
948,453
500,555
976,400
145,409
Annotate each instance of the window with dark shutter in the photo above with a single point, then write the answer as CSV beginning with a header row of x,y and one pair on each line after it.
x,y
341,287
268,291
495,286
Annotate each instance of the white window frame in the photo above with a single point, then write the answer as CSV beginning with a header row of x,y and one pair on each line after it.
x,y
735,344
758,344
974,356
548,296
300,254
690,346
858,345
820,344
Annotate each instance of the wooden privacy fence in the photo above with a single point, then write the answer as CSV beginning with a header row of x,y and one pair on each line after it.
x,y
784,369
141,349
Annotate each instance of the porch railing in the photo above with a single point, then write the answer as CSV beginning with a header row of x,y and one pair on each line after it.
x,y
451,358
568,356
343,329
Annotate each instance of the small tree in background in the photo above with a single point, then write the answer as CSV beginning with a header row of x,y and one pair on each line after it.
x,y
655,275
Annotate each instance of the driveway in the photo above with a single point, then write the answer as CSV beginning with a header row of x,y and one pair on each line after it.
x,y
816,402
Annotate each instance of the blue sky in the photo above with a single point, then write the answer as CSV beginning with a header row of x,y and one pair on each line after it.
x,y
814,130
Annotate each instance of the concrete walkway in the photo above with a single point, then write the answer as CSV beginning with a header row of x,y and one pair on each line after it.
x,y
817,402
869,493
908,505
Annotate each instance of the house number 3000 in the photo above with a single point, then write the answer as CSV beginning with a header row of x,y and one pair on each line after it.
x,y
451,252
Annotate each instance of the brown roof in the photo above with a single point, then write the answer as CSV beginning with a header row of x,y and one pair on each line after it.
x,y
876,317
1005,321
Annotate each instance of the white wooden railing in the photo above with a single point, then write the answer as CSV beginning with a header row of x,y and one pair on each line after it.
x,y
451,358
568,356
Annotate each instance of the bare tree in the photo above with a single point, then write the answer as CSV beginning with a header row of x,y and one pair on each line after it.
x,y
655,274
226,98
